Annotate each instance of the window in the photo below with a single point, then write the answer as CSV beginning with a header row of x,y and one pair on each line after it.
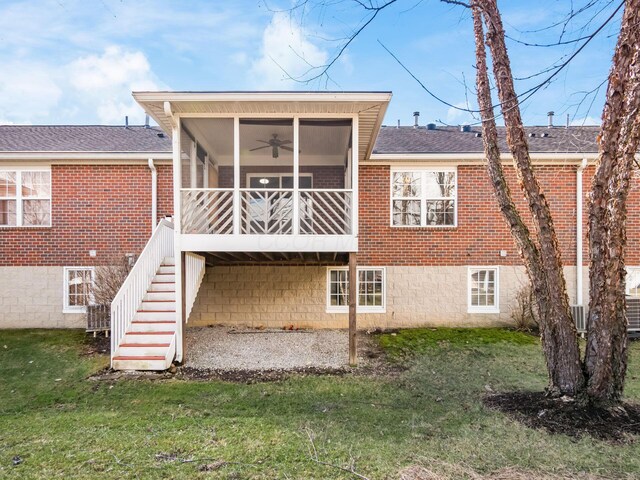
x,y
25,198
424,197
78,284
633,281
483,290
371,290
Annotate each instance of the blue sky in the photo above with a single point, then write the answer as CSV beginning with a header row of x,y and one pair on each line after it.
x,y
76,61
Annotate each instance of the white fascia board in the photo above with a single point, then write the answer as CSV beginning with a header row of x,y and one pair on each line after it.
x,y
262,96
85,156
470,158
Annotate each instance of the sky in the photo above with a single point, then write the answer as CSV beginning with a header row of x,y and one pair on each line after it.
x,y
77,61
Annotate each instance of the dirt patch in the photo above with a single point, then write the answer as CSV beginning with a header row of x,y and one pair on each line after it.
x,y
565,416
254,376
98,345
456,472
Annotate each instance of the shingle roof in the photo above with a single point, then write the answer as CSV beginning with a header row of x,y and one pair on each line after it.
x,y
452,140
81,138
89,138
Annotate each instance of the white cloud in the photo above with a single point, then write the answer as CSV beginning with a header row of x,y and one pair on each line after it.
x,y
28,91
455,115
106,81
100,85
586,121
285,52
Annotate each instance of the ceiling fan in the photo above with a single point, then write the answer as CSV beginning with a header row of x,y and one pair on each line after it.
x,y
275,144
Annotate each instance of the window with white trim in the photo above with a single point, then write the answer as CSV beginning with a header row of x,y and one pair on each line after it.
x,y
371,289
25,198
483,290
78,286
424,197
632,287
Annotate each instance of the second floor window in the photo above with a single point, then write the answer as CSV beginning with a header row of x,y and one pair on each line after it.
x,y
423,197
25,198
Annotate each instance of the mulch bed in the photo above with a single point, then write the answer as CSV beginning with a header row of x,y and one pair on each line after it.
x,y
564,416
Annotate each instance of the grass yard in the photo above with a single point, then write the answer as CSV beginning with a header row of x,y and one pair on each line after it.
x,y
64,426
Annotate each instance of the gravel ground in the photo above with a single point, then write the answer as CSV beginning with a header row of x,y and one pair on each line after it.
x,y
219,348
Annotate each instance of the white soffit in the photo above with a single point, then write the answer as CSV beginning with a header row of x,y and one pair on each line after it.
x,y
369,106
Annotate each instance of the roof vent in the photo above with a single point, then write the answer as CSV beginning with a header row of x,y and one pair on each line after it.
x,y
550,115
532,134
126,121
545,134
146,121
465,128
416,115
478,134
431,126
160,135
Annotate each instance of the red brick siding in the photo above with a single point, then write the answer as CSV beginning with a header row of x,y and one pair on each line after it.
x,y
106,208
481,232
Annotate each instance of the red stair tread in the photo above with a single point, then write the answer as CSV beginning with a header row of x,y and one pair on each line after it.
x,y
153,321
134,357
151,333
156,311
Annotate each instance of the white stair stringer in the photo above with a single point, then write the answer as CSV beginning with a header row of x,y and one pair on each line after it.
x,y
150,341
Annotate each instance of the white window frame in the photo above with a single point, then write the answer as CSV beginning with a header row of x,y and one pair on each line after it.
x,y
19,199
65,281
423,198
360,309
630,271
496,291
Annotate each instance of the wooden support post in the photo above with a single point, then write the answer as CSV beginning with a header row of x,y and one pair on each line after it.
x,y
183,288
353,301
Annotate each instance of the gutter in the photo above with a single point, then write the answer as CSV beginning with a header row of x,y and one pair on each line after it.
x,y
579,202
154,194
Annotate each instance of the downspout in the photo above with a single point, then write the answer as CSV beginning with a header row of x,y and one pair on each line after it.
x,y
579,201
154,194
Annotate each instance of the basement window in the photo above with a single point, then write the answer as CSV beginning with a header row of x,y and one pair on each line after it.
x,y
78,286
371,290
633,282
483,290
25,198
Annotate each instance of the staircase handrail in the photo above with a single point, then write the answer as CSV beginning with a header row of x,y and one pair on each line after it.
x,y
129,297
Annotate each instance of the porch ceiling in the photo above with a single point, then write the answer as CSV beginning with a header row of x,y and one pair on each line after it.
x,y
369,106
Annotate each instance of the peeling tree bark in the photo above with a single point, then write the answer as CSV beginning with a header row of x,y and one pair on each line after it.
x,y
543,263
606,354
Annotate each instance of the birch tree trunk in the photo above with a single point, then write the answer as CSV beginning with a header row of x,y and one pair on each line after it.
x,y
606,354
543,263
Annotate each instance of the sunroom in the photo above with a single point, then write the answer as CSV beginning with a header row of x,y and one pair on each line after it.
x,y
267,172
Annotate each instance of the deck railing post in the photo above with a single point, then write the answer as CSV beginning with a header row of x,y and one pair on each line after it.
x,y
353,301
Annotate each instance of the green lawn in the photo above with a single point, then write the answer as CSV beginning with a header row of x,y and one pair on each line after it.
x,y
64,426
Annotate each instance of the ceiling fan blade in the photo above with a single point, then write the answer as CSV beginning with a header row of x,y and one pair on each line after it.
x,y
264,141
260,148
289,149
285,142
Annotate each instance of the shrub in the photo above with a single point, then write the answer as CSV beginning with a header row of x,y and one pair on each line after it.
x,y
523,312
109,278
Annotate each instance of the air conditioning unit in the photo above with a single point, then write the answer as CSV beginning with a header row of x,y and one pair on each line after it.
x,y
577,312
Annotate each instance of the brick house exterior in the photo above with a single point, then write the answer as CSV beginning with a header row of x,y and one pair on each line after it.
x,y
101,208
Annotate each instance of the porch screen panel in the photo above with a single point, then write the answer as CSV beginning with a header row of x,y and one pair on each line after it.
x,y
208,210
266,157
325,153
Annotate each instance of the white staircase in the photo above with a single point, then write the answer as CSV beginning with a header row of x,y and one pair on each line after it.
x,y
149,342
